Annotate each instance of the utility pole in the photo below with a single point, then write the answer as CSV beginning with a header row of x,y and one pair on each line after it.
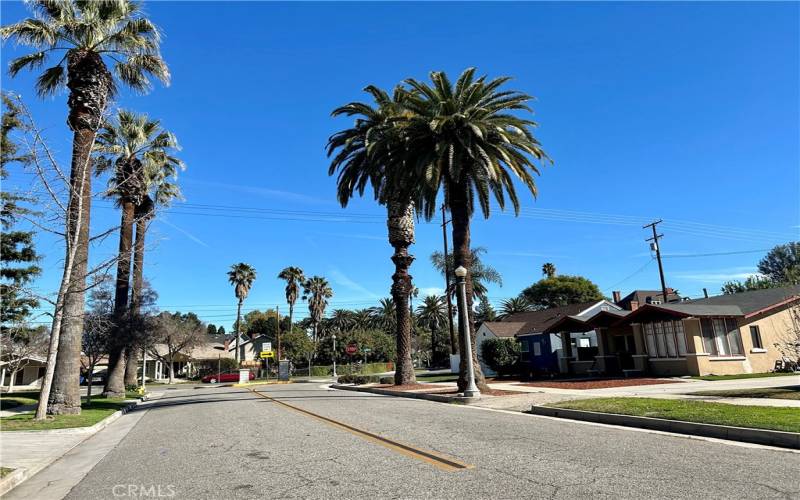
x,y
655,246
447,284
278,314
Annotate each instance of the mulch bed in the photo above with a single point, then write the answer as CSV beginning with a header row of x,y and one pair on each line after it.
x,y
598,384
427,389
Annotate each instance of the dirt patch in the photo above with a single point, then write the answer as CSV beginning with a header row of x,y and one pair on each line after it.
x,y
598,384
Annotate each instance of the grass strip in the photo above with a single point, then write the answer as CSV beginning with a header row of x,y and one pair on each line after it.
x,y
756,417
91,413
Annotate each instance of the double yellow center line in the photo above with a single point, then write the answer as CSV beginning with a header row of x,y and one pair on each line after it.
x,y
441,461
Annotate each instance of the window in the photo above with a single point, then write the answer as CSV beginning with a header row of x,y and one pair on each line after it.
x,y
665,339
523,346
537,349
755,337
721,336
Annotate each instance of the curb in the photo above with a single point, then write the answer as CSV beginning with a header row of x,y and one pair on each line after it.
x,y
84,430
411,395
9,482
757,436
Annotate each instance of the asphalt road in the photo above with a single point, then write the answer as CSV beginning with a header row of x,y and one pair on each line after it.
x,y
231,443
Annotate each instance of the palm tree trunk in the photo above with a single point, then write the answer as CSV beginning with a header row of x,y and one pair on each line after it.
x,y
131,363
89,82
238,326
401,235
115,382
463,257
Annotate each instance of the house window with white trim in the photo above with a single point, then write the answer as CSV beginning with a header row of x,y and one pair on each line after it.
x,y
721,336
665,339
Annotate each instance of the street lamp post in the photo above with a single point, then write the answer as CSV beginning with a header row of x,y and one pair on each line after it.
x,y
472,390
334,356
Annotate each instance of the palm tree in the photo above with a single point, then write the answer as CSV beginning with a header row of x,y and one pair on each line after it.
x,y
241,276
482,274
549,269
468,141
316,291
432,313
362,319
342,320
294,278
135,147
360,163
384,315
92,34
513,306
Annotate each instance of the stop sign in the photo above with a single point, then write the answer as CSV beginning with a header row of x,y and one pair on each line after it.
x,y
351,349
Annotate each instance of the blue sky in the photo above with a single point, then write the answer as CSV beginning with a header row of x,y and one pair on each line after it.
x,y
681,111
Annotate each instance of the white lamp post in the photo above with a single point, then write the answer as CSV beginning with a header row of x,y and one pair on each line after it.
x,y
472,390
334,356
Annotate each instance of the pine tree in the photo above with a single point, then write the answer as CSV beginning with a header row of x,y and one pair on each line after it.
x,y
18,256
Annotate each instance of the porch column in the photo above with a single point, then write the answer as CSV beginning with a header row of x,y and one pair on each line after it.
x,y
3,377
566,352
600,358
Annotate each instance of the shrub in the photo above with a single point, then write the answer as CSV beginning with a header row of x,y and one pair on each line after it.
x,y
387,380
356,379
502,355
227,364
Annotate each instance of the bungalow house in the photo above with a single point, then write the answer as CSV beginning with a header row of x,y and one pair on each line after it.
x,y
544,351
723,335
250,349
189,362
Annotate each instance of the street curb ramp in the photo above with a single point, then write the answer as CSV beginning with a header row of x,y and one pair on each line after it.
x,y
744,434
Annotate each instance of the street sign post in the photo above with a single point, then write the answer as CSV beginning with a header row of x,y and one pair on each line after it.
x,y
267,354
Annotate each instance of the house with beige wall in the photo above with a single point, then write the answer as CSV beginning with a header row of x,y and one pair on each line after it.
x,y
723,335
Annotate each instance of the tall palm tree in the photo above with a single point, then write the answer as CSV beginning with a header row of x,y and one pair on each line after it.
x,y
92,34
342,320
432,314
513,306
134,146
294,278
549,269
362,319
241,276
316,291
468,140
162,191
362,159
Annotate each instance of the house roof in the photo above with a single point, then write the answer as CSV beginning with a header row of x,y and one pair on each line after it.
x,y
538,321
739,304
504,328
753,301
647,296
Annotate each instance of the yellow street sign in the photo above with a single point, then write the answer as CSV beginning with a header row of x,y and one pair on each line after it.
x,y
267,354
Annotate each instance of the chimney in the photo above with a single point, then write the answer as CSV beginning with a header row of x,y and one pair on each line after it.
x,y
227,343
634,305
617,296
705,292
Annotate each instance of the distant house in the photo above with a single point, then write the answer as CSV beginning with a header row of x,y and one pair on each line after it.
x,y
28,378
641,297
190,362
250,349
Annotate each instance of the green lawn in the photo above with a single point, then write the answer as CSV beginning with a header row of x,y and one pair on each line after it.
x,y
745,375
791,392
91,413
759,417
14,399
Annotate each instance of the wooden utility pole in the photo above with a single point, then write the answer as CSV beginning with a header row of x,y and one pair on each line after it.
x,y
654,245
447,284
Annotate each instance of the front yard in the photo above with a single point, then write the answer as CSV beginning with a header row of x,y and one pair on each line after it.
x,y
91,413
746,375
759,417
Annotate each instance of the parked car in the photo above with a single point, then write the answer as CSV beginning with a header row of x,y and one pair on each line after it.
x,y
229,376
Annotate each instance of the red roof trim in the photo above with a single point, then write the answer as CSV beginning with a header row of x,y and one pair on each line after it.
x,y
626,320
